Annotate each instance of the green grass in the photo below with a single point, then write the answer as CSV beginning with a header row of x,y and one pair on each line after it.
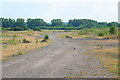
x,y
95,74
15,35
12,41
5,35
97,32
91,32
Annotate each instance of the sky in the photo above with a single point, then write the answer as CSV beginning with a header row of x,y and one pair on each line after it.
x,y
100,10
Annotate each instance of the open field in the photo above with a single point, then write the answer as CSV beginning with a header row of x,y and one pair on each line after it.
x,y
67,58
12,42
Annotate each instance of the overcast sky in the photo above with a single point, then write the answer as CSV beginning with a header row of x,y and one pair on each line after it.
x,y
100,10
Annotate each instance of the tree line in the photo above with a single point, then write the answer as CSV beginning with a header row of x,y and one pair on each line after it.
x,y
56,24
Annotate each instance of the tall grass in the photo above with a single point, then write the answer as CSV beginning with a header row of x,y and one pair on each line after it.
x,y
104,32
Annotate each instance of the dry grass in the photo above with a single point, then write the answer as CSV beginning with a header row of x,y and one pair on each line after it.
x,y
107,55
75,34
14,49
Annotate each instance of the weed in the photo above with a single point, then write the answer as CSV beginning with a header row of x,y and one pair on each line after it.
x,y
95,74
15,35
13,41
20,53
19,40
13,55
36,40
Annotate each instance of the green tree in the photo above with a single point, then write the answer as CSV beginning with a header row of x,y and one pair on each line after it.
x,y
12,22
5,23
57,22
113,24
20,22
113,30
32,23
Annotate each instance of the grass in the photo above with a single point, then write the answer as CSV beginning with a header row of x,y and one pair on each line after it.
x,y
90,32
15,47
95,74
107,55
12,41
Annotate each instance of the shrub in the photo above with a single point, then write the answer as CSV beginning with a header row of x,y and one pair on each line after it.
x,y
20,53
13,55
113,30
101,34
15,35
24,39
46,37
19,40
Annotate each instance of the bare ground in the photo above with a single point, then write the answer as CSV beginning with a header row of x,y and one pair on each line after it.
x,y
64,58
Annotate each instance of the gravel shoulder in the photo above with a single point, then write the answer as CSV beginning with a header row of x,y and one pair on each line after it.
x,y
63,58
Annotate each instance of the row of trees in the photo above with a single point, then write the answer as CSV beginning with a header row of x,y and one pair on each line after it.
x,y
21,24
90,23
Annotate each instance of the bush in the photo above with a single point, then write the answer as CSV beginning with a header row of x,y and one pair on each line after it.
x,y
101,34
113,30
20,53
15,35
24,39
13,55
46,37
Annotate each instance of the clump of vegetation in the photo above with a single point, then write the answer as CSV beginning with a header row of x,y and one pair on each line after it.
x,y
67,30
101,34
46,37
19,40
15,35
24,39
5,35
36,40
20,53
95,74
36,29
13,55
113,30
13,41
